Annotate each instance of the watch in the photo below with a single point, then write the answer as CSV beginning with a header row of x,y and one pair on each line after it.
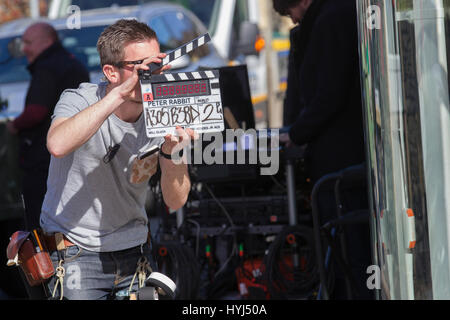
x,y
165,155
168,156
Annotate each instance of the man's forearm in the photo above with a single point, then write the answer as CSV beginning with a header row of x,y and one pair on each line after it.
x,y
67,135
175,183
31,116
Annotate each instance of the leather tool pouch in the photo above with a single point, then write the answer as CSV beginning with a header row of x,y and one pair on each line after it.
x,y
34,262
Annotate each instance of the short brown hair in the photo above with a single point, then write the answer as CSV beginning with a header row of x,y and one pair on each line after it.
x,y
283,6
114,38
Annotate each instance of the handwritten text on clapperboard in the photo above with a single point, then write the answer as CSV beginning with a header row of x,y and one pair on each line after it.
x,y
198,113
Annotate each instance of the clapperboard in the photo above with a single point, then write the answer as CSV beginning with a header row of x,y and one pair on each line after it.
x,y
186,99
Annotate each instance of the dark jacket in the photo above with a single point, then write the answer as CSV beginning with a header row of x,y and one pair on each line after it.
x,y
327,62
291,106
53,71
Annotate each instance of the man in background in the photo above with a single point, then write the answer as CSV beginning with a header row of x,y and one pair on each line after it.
x,y
324,98
52,69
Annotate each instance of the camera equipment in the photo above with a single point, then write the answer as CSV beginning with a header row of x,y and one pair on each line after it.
x,y
153,286
234,213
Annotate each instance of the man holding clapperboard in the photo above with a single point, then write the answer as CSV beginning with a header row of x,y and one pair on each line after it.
x,y
97,182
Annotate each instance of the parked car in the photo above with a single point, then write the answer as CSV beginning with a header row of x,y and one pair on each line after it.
x,y
173,24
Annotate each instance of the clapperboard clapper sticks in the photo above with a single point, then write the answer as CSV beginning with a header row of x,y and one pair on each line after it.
x,y
186,99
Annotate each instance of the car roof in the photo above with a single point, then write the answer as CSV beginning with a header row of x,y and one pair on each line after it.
x,y
94,17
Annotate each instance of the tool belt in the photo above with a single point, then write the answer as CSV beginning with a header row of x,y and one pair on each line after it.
x,y
57,242
31,252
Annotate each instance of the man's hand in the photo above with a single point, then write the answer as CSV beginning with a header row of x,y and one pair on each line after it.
x,y
174,143
127,88
284,139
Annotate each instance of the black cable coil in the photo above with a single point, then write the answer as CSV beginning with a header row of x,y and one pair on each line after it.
x,y
284,280
178,262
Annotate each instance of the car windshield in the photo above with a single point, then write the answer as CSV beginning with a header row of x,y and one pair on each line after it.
x,y
11,69
203,9
89,4
81,42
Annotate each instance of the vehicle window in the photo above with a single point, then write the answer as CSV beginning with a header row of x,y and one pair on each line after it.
x,y
181,27
11,69
240,15
82,43
166,40
175,29
89,4
201,8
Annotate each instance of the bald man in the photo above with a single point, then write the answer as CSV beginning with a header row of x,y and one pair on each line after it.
x,y
52,69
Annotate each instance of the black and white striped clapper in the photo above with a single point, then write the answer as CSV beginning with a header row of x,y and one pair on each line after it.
x,y
178,52
185,99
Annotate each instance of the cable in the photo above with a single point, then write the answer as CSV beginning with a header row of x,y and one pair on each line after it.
x,y
197,235
278,184
180,264
283,278
223,280
220,205
234,249
225,264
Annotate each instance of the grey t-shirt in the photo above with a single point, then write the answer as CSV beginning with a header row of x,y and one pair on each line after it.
x,y
92,202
